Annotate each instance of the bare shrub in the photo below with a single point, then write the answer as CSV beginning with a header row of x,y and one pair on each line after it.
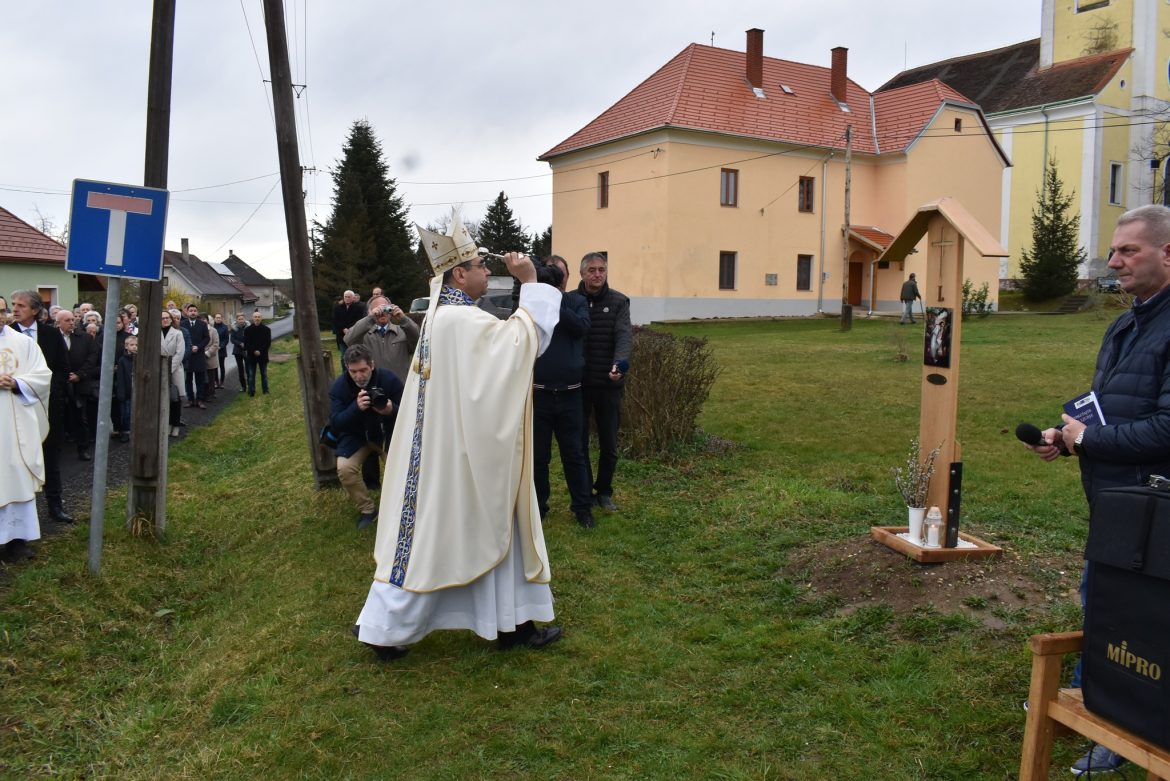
x,y
670,380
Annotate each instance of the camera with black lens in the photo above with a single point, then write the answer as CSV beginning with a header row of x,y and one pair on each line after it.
x,y
378,398
546,273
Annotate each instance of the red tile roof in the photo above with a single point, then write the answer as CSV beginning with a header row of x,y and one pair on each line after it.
x,y
21,241
902,114
706,88
874,237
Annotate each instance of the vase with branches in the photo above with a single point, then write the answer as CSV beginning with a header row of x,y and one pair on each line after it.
x,y
913,479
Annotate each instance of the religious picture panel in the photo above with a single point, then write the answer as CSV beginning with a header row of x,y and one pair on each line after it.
x,y
937,348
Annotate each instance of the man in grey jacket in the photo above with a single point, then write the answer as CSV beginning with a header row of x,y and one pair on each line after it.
x,y
389,335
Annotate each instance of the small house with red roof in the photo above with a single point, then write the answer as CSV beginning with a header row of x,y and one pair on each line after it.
x,y
717,186
33,260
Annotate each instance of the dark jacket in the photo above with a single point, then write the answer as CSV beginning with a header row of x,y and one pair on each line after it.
x,y
124,378
563,363
52,346
200,337
1132,382
355,428
84,361
257,338
237,338
909,290
224,336
610,335
345,315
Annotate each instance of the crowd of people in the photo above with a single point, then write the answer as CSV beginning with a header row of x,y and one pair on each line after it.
x,y
70,345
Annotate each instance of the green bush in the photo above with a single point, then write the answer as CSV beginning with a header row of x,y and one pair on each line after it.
x,y
670,380
975,301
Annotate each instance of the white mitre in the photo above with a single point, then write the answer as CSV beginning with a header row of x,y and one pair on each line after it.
x,y
447,251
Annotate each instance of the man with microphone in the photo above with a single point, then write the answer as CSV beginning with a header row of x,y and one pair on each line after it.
x,y
1132,383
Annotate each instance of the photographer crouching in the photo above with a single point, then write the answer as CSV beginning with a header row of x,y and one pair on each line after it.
x,y
363,404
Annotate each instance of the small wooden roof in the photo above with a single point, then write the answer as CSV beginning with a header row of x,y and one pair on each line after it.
x,y
950,209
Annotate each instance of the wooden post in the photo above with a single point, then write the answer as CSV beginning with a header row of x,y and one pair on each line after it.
x,y
938,416
314,378
846,307
147,447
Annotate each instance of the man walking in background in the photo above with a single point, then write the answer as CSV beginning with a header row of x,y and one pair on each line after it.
x,y
907,296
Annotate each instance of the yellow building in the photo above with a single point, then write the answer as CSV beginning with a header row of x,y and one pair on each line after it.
x,y
717,185
1087,96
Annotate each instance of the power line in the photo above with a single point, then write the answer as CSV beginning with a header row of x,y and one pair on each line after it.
x,y
259,67
250,216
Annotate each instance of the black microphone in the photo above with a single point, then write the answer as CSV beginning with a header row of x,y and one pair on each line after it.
x,y
1030,435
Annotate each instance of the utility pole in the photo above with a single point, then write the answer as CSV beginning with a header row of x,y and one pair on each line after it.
x,y
846,307
312,360
147,497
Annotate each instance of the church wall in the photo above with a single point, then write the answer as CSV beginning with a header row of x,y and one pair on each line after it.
x,y
1074,33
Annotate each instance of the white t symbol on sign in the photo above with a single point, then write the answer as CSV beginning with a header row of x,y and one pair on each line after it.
x,y
118,206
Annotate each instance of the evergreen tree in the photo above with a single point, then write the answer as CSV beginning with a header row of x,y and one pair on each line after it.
x,y
366,241
1050,268
500,232
542,243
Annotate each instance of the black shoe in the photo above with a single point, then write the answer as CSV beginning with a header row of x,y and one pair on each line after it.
x,y
57,513
385,653
585,518
605,502
84,455
528,636
123,437
365,519
18,550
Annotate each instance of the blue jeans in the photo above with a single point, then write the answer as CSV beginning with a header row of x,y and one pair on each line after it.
x,y
252,376
1075,683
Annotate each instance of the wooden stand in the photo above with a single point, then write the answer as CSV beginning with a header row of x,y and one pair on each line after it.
x,y
1051,708
888,536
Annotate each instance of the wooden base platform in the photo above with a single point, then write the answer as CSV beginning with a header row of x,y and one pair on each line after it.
x,y
888,536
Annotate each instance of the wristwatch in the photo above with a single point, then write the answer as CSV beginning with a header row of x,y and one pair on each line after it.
x,y
1077,443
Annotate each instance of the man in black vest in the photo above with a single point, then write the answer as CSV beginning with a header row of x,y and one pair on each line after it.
x,y
29,316
607,359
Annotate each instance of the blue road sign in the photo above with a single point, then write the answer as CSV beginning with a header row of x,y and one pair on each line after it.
x,y
117,230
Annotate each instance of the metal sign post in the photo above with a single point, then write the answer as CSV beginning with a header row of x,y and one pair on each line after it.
x,y
116,230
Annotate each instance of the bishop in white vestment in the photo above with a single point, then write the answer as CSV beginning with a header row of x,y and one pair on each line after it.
x,y
24,424
460,543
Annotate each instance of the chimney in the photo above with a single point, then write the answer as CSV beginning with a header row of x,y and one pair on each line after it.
x,y
186,244
837,80
755,57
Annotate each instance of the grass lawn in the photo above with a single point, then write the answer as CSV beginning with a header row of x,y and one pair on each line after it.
x,y
225,652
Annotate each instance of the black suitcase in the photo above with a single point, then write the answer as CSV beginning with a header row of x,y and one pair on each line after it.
x,y
1126,656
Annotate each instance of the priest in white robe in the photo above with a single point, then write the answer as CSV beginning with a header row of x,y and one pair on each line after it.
x,y
24,424
460,543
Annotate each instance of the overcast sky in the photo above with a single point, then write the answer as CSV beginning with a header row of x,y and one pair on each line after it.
x,y
456,92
